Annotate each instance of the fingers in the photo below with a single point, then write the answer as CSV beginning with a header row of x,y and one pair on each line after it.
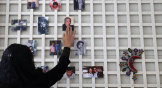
x,y
66,30
63,35
74,33
70,30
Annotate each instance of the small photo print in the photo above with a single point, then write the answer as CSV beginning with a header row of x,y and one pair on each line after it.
x,y
79,47
32,44
55,4
92,71
33,4
79,4
70,72
68,22
44,69
42,27
55,47
18,25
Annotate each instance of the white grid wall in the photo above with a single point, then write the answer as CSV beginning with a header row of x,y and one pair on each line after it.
x,y
107,26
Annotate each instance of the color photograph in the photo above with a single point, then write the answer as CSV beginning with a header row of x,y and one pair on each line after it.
x,y
55,47
70,72
79,4
44,69
33,4
18,25
68,22
79,47
55,4
92,71
32,44
42,27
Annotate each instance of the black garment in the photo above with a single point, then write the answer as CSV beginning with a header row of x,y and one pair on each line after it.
x,y
64,27
22,28
75,4
46,80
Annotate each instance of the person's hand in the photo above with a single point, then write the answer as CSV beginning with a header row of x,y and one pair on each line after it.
x,y
68,37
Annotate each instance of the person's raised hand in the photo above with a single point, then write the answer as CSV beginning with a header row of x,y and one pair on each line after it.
x,y
68,37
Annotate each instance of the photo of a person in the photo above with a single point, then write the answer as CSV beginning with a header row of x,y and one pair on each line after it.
x,y
33,4
44,69
68,22
52,49
92,71
32,45
79,47
55,47
70,72
42,27
55,4
95,72
18,25
22,25
79,5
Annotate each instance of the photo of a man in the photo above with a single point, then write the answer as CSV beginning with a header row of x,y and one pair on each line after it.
x,y
70,72
79,5
32,45
55,4
33,4
95,72
42,27
22,25
68,22
79,47
92,71
55,47
18,25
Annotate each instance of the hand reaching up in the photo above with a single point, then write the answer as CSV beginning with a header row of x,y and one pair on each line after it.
x,y
68,37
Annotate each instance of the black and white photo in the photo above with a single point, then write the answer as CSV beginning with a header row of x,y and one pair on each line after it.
x,y
79,4
68,22
92,71
18,25
70,72
42,27
32,44
79,47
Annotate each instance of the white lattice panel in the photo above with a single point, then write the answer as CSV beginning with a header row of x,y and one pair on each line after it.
x,y
107,26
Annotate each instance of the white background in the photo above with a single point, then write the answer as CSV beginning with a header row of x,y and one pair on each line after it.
x,y
108,26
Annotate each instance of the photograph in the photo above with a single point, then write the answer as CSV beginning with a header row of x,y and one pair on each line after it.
x,y
44,69
42,27
79,4
79,47
55,47
33,4
32,44
70,72
55,4
68,22
18,25
92,71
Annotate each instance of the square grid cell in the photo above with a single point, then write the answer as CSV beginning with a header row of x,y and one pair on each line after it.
x,y
107,26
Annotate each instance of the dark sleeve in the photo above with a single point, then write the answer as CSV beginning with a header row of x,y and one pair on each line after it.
x,y
55,74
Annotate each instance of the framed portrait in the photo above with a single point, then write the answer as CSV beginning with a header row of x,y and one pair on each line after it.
x,y
55,47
